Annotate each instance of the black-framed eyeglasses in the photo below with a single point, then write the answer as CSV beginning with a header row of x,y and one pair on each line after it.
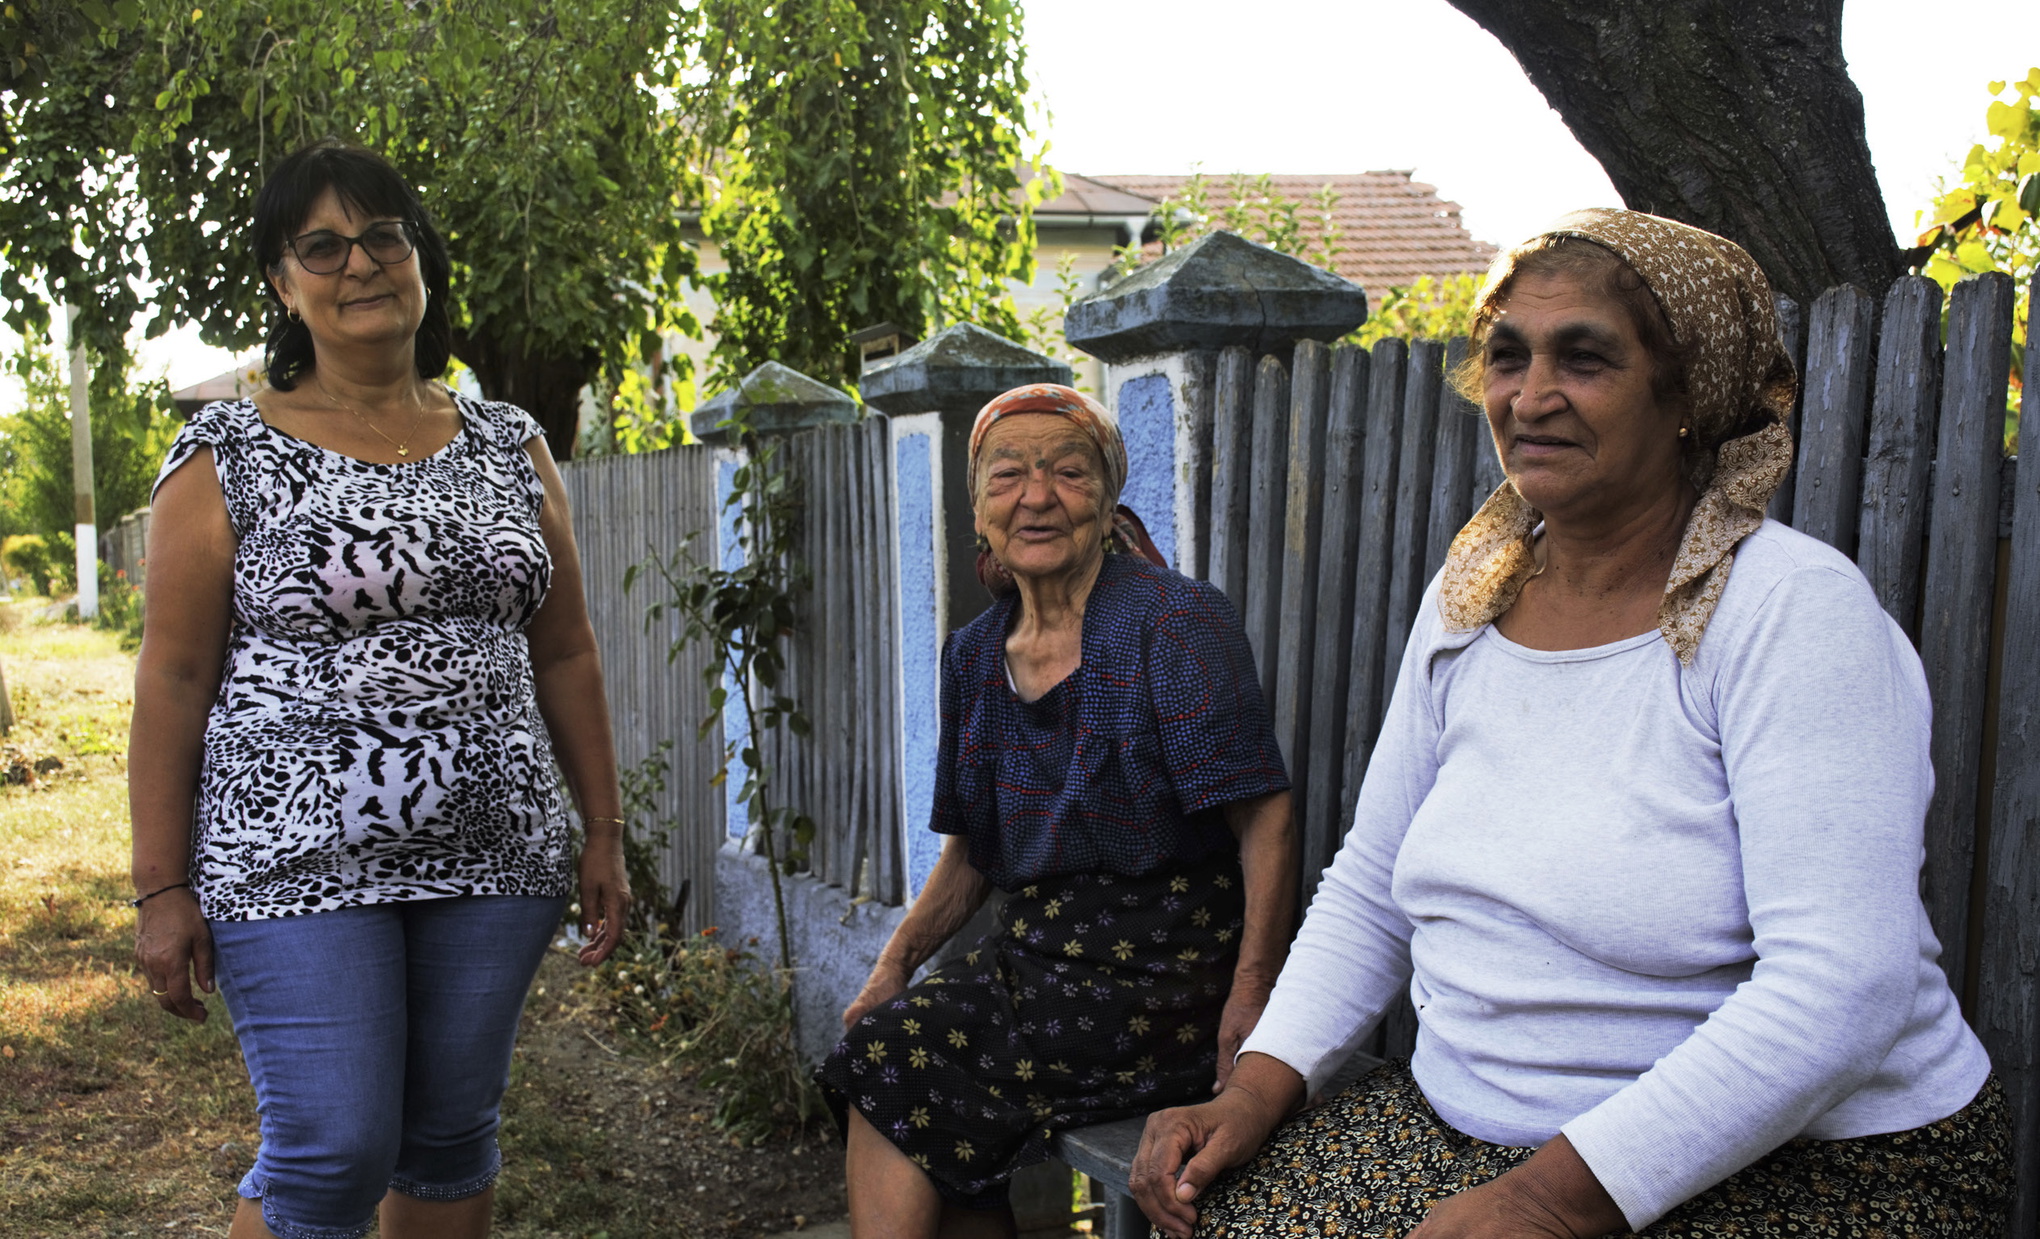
x,y
325,252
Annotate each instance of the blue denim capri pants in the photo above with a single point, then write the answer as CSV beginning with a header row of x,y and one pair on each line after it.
x,y
378,1039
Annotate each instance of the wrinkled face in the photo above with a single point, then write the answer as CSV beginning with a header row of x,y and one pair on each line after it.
x,y
1041,495
364,302
1569,401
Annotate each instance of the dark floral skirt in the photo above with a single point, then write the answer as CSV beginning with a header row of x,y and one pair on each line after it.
x,y
1099,999
1373,1160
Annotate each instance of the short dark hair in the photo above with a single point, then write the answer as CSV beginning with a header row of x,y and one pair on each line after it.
x,y
368,185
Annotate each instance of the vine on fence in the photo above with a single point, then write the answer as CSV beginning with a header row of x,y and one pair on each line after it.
x,y
744,613
699,998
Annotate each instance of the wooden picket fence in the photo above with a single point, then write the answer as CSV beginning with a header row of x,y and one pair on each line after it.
x,y
1339,478
843,663
626,509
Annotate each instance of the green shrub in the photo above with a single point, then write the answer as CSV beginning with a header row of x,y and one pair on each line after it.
x,y
45,562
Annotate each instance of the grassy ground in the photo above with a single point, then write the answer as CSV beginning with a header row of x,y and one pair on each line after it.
x,y
108,1112
117,1120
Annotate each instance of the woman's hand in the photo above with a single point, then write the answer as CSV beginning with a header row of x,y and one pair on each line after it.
x,y
1554,1195
174,949
886,982
1183,1150
1243,1009
605,897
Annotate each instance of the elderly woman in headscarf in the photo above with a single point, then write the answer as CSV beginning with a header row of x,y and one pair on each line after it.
x,y
1641,839
1106,760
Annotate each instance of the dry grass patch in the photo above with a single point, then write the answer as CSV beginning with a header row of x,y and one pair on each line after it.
x,y
117,1120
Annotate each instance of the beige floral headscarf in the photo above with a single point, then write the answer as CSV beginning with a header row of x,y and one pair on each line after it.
x,y
1741,386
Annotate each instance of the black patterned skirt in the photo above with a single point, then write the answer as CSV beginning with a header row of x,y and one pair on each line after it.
x,y
1098,1000
1373,1160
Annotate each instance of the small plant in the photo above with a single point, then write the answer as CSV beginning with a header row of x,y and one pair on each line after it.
x,y
644,837
1043,326
715,1011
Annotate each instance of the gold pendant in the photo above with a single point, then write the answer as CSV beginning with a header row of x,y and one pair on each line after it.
x,y
403,451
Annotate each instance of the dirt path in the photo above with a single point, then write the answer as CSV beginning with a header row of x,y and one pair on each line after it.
x,y
586,1122
117,1121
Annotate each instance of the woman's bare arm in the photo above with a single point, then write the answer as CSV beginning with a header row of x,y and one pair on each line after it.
x,y
954,892
187,612
566,669
1266,828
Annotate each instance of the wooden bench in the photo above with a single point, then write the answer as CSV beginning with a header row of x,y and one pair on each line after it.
x,y
1105,1152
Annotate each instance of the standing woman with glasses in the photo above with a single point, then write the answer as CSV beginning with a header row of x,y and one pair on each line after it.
x,y
365,648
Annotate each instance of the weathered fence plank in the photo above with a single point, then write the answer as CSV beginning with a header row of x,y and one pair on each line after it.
x,y
1418,456
625,508
2007,1013
1828,485
1791,334
1303,528
1267,493
1373,553
880,589
1231,470
1332,653
1893,525
1961,576
1452,474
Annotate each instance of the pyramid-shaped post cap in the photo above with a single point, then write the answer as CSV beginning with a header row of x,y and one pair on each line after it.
x,y
956,370
774,399
1219,290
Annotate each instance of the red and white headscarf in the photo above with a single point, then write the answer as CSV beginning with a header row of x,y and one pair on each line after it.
x,y
1087,414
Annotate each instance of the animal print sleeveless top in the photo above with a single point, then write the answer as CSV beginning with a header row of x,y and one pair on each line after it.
x,y
376,737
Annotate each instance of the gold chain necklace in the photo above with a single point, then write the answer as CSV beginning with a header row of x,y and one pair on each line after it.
x,y
404,447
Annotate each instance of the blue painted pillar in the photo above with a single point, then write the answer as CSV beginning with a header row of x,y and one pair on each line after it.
x,y
933,392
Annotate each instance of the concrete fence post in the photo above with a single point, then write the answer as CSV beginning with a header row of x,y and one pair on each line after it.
x,y
932,393
1160,331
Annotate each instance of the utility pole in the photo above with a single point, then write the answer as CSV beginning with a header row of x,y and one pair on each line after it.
x,y
87,529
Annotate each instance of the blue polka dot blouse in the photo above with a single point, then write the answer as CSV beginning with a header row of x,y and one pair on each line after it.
x,y
1123,766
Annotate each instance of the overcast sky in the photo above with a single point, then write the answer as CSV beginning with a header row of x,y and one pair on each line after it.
x,y
1353,85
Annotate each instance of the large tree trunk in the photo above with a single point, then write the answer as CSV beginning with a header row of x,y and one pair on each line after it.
x,y
1737,116
547,387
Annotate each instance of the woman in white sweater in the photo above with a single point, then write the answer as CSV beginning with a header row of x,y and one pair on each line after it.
x,y
1641,836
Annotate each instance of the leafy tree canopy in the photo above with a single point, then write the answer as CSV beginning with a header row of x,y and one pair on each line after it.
x,y
536,136
131,430
855,161
864,163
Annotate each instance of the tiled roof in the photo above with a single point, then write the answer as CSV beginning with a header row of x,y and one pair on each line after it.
x,y
1391,229
1084,195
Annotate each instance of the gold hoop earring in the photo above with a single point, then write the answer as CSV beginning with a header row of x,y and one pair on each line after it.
x,y
1682,432
291,313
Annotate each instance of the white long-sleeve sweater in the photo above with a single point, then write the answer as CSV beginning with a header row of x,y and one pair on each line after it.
x,y
1670,911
